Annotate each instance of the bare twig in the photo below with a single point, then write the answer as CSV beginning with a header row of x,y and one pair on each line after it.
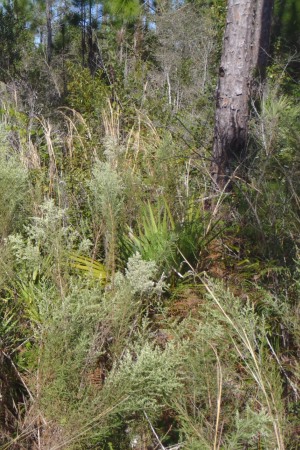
x,y
19,375
293,386
89,426
154,432
220,381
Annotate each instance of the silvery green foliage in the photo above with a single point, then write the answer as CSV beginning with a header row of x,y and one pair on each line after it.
x,y
70,328
46,238
48,224
140,275
85,246
112,149
147,376
25,251
80,309
13,187
106,187
252,427
132,292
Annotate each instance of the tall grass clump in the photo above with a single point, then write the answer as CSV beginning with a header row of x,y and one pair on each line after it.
x,y
269,194
107,200
233,394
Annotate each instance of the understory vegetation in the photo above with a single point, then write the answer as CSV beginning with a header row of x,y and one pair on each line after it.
x,y
139,307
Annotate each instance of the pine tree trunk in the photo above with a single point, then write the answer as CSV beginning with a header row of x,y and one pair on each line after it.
x,y
245,48
49,30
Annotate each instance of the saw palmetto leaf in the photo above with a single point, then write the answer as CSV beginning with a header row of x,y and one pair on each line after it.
x,y
89,266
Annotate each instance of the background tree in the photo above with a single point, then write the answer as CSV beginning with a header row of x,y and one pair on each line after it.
x,y
245,48
15,35
49,14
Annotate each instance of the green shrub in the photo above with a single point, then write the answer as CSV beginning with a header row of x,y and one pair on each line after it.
x,y
14,189
107,202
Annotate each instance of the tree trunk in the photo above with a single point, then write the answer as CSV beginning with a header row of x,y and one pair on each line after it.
x,y
83,32
49,30
245,48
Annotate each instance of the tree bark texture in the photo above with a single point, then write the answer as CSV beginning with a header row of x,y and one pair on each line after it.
x,y
245,48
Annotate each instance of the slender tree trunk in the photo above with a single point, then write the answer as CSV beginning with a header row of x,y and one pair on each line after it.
x,y
63,34
263,24
245,48
91,55
83,32
49,30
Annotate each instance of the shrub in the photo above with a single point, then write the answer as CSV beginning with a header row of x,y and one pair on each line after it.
x,y
13,190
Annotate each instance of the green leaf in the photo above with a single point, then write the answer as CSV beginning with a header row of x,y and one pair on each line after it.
x,y
88,265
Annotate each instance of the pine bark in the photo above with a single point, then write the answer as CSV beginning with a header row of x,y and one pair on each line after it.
x,y
245,48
